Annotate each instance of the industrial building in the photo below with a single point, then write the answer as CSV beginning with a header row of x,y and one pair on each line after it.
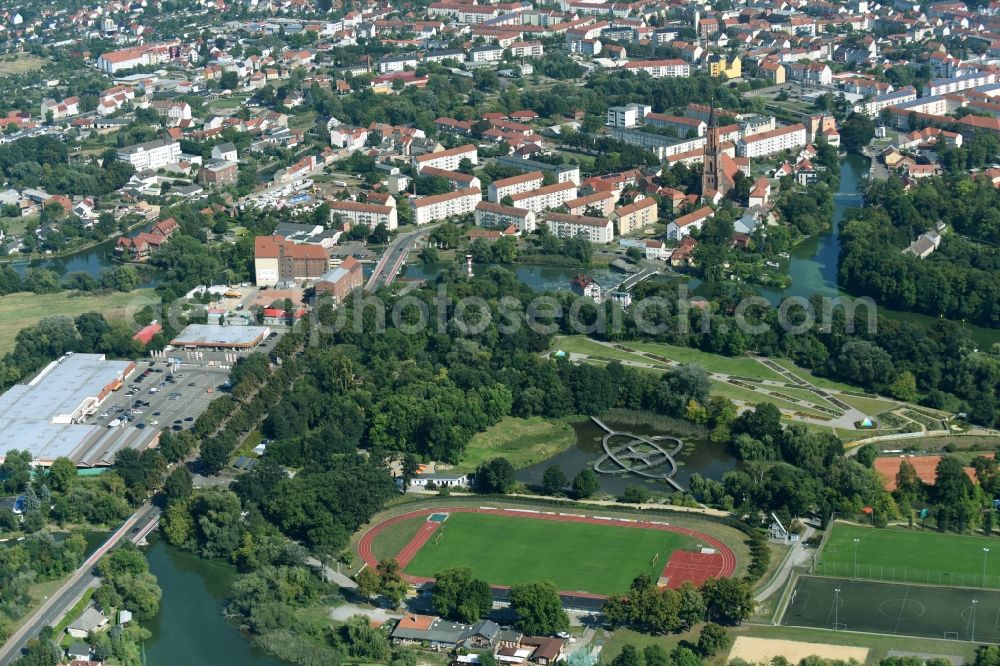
x,y
211,336
47,415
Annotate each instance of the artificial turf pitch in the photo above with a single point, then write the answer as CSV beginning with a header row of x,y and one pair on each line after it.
x,y
893,608
577,557
910,556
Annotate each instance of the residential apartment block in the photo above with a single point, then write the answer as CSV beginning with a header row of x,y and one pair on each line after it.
x,y
443,206
775,141
660,69
593,229
550,196
635,216
508,187
368,214
685,224
496,216
449,160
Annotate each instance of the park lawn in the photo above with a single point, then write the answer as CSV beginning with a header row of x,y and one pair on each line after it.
x,y
228,102
24,309
38,592
732,392
909,554
808,396
522,442
577,557
815,380
870,406
879,644
21,63
739,366
615,640
579,344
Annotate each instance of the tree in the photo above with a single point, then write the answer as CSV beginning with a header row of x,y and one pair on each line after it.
x,y
905,387
712,640
553,480
538,609
586,483
866,455
178,485
391,583
460,597
691,606
636,495
727,600
410,467
368,582
629,656
495,476
62,473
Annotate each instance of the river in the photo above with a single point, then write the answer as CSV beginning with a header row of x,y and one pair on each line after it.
x,y
190,628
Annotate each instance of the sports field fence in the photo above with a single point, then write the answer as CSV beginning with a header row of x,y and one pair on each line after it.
x,y
864,570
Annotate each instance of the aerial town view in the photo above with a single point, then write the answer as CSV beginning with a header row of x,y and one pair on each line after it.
x,y
499,333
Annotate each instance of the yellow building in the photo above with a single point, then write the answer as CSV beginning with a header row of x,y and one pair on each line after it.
x,y
719,66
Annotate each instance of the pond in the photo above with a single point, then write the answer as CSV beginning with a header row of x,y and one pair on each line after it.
x,y
91,261
697,456
190,628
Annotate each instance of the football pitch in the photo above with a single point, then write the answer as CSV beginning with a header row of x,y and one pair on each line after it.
x,y
910,556
893,608
577,557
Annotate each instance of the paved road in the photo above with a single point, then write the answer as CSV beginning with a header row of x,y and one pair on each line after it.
x,y
388,264
798,556
73,588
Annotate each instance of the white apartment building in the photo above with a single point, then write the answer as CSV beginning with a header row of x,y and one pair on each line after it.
x,y
550,196
873,107
449,160
684,127
593,229
629,115
685,224
527,49
443,206
660,69
151,155
635,216
174,112
368,214
958,84
138,56
775,141
508,187
496,216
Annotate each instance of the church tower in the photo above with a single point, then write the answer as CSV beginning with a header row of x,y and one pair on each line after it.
x,y
711,176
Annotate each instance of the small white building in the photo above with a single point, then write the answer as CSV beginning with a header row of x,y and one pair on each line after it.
x,y
440,480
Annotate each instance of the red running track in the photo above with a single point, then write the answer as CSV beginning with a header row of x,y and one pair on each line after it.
x,y
720,565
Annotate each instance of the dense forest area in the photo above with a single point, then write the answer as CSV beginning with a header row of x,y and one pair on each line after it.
x,y
958,281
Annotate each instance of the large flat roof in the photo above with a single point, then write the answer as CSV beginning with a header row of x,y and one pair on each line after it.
x,y
62,387
211,335
40,416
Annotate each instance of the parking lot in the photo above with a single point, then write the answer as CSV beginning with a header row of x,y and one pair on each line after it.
x,y
177,399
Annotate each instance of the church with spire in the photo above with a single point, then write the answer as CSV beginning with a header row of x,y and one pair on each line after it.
x,y
719,169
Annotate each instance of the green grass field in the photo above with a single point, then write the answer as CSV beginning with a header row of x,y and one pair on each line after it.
x,y
523,442
23,309
910,555
577,557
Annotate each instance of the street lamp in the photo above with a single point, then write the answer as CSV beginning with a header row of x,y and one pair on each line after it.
x,y
986,554
856,542
836,608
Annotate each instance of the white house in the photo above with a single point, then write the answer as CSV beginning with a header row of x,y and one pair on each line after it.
x,y
685,224
151,155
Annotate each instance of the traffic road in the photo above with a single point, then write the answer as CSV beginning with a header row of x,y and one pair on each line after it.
x,y
57,605
390,261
